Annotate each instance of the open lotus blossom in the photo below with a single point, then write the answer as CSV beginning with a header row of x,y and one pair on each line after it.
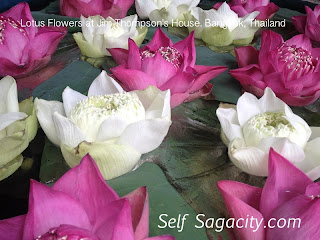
x,y
309,24
165,11
291,69
18,126
98,34
80,205
254,126
265,8
289,198
25,48
106,8
166,66
113,126
221,27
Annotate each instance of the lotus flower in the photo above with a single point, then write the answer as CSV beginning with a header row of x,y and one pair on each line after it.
x,y
309,24
113,126
255,126
222,27
244,7
165,11
106,8
290,69
287,194
98,34
166,66
24,49
18,126
80,205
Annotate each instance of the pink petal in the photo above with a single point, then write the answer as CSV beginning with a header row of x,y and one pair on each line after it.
x,y
160,39
300,40
240,10
133,79
188,50
12,228
117,223
247,55
300,23
158,68
204,91
178,98
217,5
285,181
9,68
180,83
139,202
242,200
49,209
118,10
270,41
119,55
134,59
22,14
266,12
311,17
302,207
276,82
71,232
313,31
205,74
86,184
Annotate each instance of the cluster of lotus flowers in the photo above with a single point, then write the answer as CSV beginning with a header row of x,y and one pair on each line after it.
x,y
103,134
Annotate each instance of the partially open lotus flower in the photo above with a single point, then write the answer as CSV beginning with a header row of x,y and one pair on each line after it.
x,y
166,66
113,126
291,69
24,49
309,24
244,7
99,34
287,194
222,27
254,126
165,11
18,126
106,8
80,205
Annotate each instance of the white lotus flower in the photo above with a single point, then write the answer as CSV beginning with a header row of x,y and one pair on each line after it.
x,y
18,126
221,27
99,34
254,126
113,126
164,10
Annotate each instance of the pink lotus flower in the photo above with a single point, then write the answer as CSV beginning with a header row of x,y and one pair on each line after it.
x,y
166,66
24,49
291,69
81,205
244,7
287,193
309,24
116,9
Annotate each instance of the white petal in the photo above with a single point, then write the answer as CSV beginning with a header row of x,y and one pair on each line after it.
x,y
70,99
9,95
214,17
145,135
160,107
69,133
270,103
111,128
229,123
145,7
231,19
45,110
251,160
129,23
315,133
247,107
246,29
284,147
103,85
311,163
7,118
87,28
